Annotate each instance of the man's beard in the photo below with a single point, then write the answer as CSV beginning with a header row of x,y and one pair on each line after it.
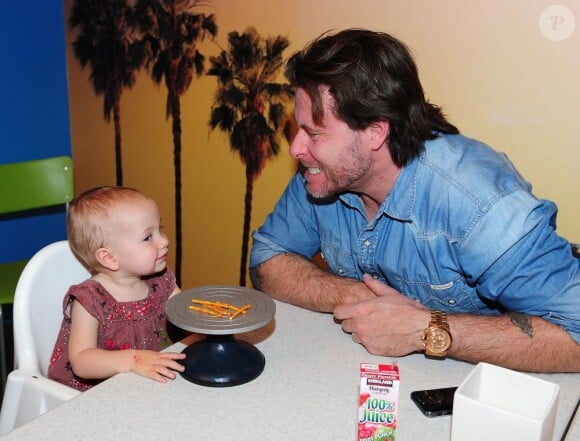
x,y
340,179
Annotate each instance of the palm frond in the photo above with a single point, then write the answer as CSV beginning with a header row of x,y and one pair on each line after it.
x,y
222,117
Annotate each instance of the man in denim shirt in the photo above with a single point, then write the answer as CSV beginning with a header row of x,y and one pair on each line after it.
x,y
432,240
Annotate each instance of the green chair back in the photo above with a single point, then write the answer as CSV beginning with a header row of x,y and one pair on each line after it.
x,y
9,275
27,186
35,184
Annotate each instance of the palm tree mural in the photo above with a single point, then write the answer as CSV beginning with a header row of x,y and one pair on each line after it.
x,y
105,43
171,32
250,107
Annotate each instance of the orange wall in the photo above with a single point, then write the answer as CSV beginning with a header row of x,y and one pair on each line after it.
x,y
486,62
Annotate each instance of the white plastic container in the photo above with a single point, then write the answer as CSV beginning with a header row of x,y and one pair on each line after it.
x,y
495,403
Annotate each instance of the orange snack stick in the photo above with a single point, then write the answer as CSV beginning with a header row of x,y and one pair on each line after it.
x,y
241,310
218,309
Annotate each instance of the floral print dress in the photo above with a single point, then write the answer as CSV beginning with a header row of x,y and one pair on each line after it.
x,y
122,325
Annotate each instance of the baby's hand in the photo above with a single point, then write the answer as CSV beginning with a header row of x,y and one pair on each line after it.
x,y
158,366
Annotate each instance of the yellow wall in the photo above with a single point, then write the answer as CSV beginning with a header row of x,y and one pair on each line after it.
x,y
486,62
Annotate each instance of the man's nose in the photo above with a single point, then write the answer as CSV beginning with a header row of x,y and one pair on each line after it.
x,y
298,145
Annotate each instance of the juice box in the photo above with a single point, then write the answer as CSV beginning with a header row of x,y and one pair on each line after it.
x,y
378,402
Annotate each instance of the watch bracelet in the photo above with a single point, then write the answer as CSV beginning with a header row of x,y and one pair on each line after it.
x,y
439,318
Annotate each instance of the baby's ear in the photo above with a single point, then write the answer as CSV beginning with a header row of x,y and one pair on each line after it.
x,y
107,259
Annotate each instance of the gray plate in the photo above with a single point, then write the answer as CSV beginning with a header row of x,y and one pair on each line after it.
x,y
262,310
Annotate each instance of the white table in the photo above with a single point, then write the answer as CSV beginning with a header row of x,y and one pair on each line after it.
x,y
308,391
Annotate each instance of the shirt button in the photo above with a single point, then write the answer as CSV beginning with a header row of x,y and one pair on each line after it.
x,y
375,276
367,243
452,301
340,271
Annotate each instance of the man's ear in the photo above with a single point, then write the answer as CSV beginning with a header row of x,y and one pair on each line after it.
x,y
379,133
107,259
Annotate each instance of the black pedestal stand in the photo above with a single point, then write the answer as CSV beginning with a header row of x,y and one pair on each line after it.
x,y
221,361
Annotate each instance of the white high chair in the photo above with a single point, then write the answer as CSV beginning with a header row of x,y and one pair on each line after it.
x,y
37,318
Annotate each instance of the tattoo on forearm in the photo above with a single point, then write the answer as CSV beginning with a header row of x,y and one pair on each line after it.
x,y
522,321
255,277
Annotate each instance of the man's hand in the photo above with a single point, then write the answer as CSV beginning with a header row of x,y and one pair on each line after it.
x,y
390,324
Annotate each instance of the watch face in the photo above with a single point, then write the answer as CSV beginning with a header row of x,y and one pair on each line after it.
x,y
438,340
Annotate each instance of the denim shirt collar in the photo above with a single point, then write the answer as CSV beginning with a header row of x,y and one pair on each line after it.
x,y
401,200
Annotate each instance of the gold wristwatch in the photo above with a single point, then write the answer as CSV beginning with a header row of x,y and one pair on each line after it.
x,y
437,337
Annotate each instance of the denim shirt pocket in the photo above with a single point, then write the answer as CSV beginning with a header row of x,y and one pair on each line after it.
x,y
454,296
339,261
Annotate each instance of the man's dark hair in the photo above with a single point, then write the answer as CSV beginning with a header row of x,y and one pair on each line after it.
x,y
372,77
